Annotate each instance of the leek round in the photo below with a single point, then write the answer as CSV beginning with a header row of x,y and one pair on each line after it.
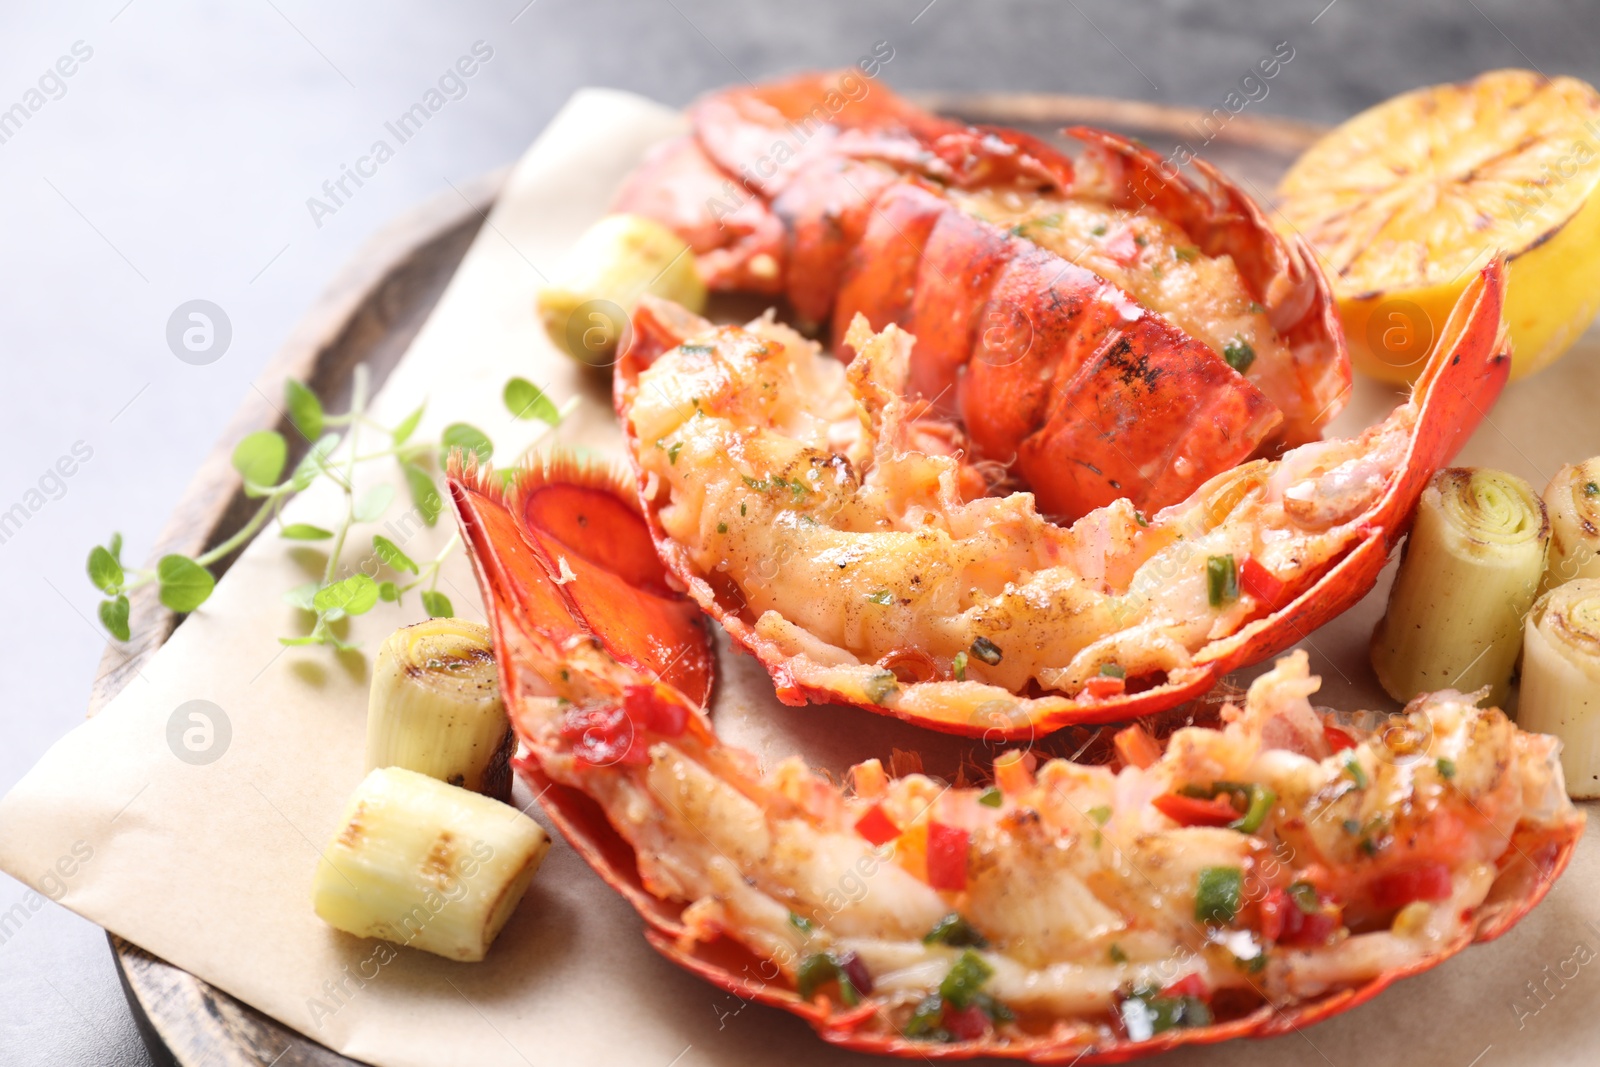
x,y
1468,576
425,864
585,307
435,707
1572,500
1561,679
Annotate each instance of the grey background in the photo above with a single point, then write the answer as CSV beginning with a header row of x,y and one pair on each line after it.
x,y
178,161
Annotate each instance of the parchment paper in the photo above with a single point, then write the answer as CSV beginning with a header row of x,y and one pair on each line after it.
x,y
210,864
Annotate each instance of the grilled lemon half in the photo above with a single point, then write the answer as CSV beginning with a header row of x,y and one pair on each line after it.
x,y
1406,201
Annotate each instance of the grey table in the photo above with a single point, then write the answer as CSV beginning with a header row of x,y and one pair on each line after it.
x,y
167,150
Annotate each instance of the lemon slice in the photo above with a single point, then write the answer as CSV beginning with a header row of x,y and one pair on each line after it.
x,y
1406,201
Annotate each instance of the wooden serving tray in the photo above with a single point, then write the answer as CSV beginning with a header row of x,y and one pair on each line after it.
x,y
369,314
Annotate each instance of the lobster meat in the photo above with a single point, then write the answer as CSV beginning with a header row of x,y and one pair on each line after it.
x,y
1104,327
1065,913
805,507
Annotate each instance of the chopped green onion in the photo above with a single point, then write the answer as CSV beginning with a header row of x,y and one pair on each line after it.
x,y
1259,807
882,596
1447,767
1186,253
722,527
986,650
958,666
1113,670
1145,1015
1353,768
1304,895
1239,354
1256,309
966,977
672,453
955,931
801,923
1100,814
815,970
1116,954
1218,893
991,798
925,1019
1222,580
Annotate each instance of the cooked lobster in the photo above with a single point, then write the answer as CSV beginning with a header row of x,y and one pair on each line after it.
x,y
1244,879
1104,327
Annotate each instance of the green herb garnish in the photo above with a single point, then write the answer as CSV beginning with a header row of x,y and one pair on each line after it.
x,y
1222,580
1218,893
1239,354
955,931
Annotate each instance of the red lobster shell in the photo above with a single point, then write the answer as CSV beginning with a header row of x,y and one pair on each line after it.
x,y
621,601
834,193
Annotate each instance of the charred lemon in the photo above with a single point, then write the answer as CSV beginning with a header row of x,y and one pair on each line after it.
x,y
1406,201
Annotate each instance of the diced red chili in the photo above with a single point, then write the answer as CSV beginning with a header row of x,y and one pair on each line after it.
x,y
1103,685
1401,886
876,826
1190,985
1286,923
1338,740
1261,583
851,967
1196,811
1136,747
965,1024
947,856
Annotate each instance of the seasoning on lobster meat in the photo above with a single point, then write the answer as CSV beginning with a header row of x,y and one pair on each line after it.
x,y
805,506
1105,327
1066,916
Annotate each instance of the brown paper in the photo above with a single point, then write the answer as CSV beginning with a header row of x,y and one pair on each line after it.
x,y
209,865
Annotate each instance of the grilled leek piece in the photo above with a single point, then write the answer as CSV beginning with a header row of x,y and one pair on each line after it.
x,y
1468,576
425,864
1561,679
1572,500
435,707
585,309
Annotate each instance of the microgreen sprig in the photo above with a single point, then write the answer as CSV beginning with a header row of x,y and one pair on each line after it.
x,y
185,582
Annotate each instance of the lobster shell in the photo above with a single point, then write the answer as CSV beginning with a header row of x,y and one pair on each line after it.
x,y
511,541
1461,381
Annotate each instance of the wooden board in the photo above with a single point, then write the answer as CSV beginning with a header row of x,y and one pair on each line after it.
x,y
369,314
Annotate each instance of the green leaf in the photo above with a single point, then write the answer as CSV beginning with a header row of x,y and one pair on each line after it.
x,y
305,410
408,425
436,604
116,547
308,639
304,531
185,584
312,462
527,401
423,493
352,596
388,591
104,571
461,435
301,596
114,617
260,458
389,555
373,503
